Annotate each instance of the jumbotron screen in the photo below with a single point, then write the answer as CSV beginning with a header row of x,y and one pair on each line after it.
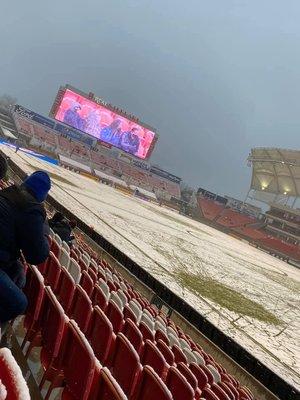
x,y
106,125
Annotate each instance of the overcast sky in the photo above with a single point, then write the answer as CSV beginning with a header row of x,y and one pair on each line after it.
x,y
215,77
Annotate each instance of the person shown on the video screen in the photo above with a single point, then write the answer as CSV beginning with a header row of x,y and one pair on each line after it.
x,y
109,131
130,141
73,118
92,123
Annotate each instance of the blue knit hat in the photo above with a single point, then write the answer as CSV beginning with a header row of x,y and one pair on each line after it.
x,y
38,184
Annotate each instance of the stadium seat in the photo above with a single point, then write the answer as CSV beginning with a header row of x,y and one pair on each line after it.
x,y
165,351
215,373
75,270
189,376
86,283
55,246
34,291
162,335
152,387
64,257
81,308
116,299
105,387
232,393
53,272
221,393
125,366
147,333
65,289
179,354
100,335
12,384
53,330
190,356
100,298
201,377
78,380
115,316
66,247
153,357
179,386
208,394
133,334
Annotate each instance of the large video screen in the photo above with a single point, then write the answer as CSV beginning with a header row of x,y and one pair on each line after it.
x,y
104,124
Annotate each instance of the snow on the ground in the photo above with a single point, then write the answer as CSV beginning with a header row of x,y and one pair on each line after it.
x,y
164,242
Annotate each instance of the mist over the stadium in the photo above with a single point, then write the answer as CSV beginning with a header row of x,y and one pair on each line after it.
x,y
215,78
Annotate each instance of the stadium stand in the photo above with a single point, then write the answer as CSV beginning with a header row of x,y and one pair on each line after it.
x,y
210,208
123,347
230,218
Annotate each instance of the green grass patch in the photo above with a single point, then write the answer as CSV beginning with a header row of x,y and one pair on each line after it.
x,y
226,297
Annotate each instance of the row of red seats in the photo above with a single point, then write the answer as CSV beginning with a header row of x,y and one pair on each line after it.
x,y
230,218
160,352
210,209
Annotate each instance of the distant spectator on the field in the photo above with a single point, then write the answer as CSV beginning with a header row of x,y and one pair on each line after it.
x,y
130,141
62,227
72,117
22,228
107,132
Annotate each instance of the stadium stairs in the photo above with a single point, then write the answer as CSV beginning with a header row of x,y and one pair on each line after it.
x,y
87,311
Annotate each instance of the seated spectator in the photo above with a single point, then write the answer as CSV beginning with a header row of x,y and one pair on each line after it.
x,y
62,227
22,228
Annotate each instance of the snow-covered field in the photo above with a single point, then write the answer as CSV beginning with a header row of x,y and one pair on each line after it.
x,y
250,295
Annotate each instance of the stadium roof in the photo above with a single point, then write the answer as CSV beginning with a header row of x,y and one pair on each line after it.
x,y
276,171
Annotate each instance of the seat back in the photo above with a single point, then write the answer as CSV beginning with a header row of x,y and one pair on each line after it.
x,y
79,364
34,291
81,308
147,333
115,316
87,283
53,328
107,388
208,394
125,365
74,270
53,272
100,334
165,351
55,246
178,354
65,289
66,247
115,297
134,335
152,387
64,257
199,375
11,377
187,373
220,392
153,357
178,385
100,298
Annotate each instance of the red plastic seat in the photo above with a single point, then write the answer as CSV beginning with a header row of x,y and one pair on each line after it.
x,y
93,274
53,330
166,352
105,387
199,375
99,298
232,394
152,387
34,291
100,335
153,357
115,316
222,395
53,272
187,373
125,366
128,313
86,283
55,248
147,333
65,289
178,385
81,308
179,354
79,365
11,377
160,335
207,372
133,334
208,394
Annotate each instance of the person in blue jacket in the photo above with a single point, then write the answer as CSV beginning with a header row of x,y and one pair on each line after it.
x,y
22,228
130,141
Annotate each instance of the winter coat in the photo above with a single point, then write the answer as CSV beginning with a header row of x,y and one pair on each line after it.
x,y
62,229
22,222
